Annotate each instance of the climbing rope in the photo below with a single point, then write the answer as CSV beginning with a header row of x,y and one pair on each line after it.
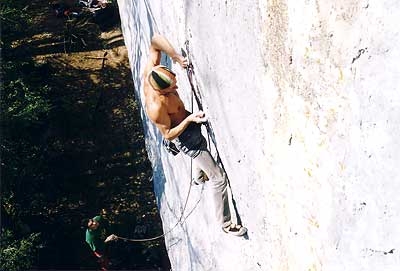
x,y
195,89
115,237
210,135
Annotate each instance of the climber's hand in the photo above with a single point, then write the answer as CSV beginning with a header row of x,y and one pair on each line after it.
x,y
180,59
198,117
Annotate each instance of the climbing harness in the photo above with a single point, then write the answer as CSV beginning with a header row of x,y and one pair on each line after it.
x,y
171,148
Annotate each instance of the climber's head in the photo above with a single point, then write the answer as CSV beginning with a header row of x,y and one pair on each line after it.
x,y
162,78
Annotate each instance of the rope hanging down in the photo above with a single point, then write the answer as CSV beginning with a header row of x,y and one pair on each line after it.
x,y
210,134
113,237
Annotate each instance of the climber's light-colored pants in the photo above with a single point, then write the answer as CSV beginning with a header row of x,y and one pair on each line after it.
x,y
217,183
192,143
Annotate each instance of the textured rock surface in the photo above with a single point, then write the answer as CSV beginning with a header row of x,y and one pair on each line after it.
x,y
303,97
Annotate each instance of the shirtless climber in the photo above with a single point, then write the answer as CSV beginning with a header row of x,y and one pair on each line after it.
x,y
167,111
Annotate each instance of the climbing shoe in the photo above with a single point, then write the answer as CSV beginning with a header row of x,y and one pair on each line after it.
x,y
235,230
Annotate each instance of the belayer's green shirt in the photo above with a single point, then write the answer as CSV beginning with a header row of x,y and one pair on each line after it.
x,y
93,237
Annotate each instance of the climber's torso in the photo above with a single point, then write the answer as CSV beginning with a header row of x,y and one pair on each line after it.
x,y
169,103
175,107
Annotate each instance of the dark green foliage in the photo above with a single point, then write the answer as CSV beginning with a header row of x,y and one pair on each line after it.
x,y
15,23
23,102
17,254
70,149
24,106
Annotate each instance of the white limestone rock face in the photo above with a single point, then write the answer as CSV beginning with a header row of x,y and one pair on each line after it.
x,y
304,100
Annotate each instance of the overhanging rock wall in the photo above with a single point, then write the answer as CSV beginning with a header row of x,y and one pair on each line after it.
x,y
304,100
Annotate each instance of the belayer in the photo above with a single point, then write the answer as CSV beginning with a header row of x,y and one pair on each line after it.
x,y
95,238
167,111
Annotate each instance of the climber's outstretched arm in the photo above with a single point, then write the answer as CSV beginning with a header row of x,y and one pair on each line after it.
x,y
161,44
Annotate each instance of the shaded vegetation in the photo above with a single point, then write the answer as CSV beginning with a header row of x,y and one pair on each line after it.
x,y
17,254
72,147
